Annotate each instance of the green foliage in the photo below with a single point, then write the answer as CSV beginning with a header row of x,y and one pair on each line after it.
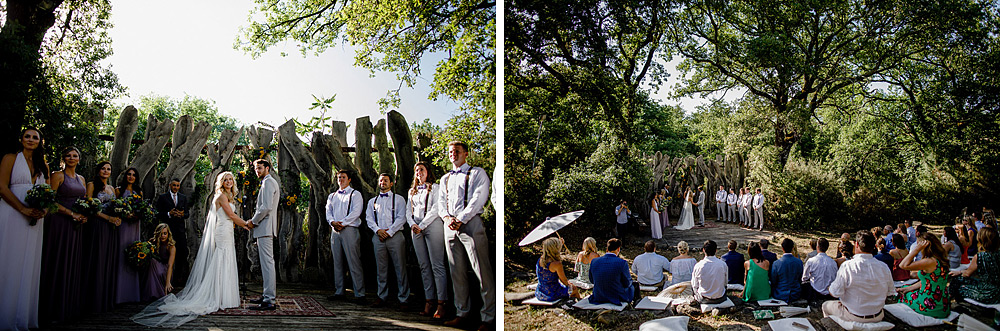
x,y
806,196
319,123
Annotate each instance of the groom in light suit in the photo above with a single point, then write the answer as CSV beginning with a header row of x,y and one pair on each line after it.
x,y
265,227
701,205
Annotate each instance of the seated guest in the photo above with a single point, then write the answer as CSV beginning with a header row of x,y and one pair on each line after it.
x,y
786,274
812,244
930,296
757,286
682,266
911,233
887,231
649,266
952,247
818,273
862,284
710,276
883,253
844,237
985,265
552,282
897,255
609,274
583,259
964,240
735,262
771,257
846,252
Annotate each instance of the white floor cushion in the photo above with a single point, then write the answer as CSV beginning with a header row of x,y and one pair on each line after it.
x,y
647,288
961,267
708,307
532,286
977,303
901,283
771,303
585,304
857,326
581,285
654,303
969,323
537,302
734,287
673,323
786,324
915,319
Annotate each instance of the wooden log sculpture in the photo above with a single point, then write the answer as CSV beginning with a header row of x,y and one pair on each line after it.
x,y
403,141
128,123
188,141
382,145
363,160
220,155
148,154
260,143
291,239
680,173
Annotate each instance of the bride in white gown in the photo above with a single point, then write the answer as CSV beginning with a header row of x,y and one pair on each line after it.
x,y
687,214
213,283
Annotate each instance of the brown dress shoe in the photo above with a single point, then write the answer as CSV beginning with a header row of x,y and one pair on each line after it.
x,y
378,303
439,313
455,322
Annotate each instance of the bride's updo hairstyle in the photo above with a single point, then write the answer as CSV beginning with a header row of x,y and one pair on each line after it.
x,y
230,193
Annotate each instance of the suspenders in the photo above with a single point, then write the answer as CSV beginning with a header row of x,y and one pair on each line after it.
x,y
465,203
375,209
427,197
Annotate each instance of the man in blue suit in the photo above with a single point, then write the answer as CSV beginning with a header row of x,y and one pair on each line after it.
x,y
786,274
611,278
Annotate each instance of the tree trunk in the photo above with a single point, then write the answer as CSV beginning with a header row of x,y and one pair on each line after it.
x,y
382,145
188,142
399,131
363,155
291,239
128,123
148,154
319,179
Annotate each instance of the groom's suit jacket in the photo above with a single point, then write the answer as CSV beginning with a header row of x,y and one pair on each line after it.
x,y
266,217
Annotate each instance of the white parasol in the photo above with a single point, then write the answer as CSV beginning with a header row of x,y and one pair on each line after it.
x,y
550,226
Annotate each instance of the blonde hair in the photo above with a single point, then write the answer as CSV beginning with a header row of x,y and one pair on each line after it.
x,y
219,189
550,250
590,245
170,234
682,247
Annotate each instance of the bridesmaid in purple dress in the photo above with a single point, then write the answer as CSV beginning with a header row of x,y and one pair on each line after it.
x,y
100,245
61,254
19,273
156,279
128,233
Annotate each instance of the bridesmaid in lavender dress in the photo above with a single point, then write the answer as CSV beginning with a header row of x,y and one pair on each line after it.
x,y
100,245
20,241
156,279
128,233
61,254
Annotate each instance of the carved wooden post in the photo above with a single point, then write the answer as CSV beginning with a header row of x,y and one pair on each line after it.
x,y
382,145
260,141
402,140
363,154
128,123
188,142
291,239
148,154
320,186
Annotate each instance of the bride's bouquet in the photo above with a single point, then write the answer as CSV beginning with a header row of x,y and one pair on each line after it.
x,y
138,254
41,196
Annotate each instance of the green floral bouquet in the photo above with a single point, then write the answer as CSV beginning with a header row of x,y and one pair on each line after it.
x,y
141,210
118,208
87,206
41,196
138,254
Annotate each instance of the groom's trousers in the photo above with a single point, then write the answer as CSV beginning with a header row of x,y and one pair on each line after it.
x,y
265,249
346,248
395,247
469,248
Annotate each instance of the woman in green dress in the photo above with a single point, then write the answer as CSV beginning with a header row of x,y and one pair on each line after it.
x,y
985,287
930,296
757,286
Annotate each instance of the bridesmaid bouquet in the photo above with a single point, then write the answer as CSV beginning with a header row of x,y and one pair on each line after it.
x,y
87,206
117,208
139,253
41,196
141,210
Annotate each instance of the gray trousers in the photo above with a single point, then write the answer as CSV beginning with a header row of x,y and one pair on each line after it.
x,y
265,250
732,213
347,250
720,211
744,216
701,213
759,217
468,248
394,247
429,246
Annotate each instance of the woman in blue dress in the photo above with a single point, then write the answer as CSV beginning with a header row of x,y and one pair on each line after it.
x,y
552,282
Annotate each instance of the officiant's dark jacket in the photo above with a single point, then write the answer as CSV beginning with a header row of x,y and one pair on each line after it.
x,y
163,206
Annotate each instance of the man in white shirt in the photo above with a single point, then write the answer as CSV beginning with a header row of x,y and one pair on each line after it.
x,y
818,273
708,281
862,284
731,205
386,216
720,204
621,214
744,206
464,192
648,267
758,210
343,213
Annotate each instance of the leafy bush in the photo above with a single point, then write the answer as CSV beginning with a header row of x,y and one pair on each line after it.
x,y
806,196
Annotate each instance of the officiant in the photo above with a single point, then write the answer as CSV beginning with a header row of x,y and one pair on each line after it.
x,y
172,209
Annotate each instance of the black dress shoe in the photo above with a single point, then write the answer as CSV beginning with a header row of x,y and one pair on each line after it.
x,y
265,306
257,301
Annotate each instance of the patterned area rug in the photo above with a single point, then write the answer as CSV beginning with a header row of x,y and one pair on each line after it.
x,y
287,306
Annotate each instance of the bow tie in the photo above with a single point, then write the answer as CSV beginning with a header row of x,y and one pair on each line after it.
x,y
342,191
421,187
383,194
455,171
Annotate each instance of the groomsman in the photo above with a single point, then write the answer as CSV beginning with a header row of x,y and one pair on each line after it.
x,y
731,205
172,208
744,212
343,213
701,205
758,210
464,191
386,215
720,204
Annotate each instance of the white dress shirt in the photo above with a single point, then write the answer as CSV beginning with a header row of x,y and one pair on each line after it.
x,y
820,270
622,217
452,199
758,201
337,209
381,216
421,210
862,284
710,277
649,267
731,199
720,196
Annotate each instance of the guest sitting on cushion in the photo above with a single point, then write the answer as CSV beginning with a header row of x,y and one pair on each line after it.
x,y
583,259
757,286
552,282
883,253
771,257
786,274
735,262
846,252
899,274
610,276
818,273
862,284
710,276
649,266
812,244
985,287
930,296
682,266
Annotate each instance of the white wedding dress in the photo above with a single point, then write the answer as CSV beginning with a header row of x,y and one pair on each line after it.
x,y
213,283
687,215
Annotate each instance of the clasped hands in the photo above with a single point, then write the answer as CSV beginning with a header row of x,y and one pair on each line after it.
x,y
453,223
176,213
248,225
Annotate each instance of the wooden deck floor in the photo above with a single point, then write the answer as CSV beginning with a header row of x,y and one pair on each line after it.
x,y
348,316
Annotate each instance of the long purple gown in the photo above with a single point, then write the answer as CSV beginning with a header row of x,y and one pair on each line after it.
x,y
62,257
100,244
128,277
154,278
